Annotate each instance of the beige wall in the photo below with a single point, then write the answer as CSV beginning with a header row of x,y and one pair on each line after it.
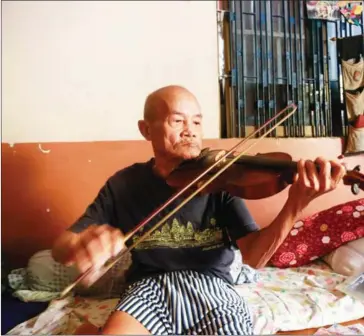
x,y
79,71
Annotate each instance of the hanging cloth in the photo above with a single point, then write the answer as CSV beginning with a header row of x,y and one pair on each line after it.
x,y
354,104
353,74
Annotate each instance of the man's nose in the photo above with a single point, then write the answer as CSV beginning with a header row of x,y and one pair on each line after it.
x,y
188,129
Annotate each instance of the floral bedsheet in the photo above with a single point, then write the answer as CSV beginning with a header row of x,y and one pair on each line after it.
x,y
283,299
299,298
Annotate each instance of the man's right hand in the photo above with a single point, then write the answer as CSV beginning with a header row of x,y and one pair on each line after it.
x,y
90,248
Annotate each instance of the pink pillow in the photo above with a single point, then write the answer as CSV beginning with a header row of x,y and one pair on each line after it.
x,y
321,233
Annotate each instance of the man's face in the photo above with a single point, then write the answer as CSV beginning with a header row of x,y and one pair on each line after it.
x,y
177,131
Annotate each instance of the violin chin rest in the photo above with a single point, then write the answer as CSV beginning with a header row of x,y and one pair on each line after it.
x,y
204,151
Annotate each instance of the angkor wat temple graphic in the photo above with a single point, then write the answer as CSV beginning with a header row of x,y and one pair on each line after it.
x,y
177,235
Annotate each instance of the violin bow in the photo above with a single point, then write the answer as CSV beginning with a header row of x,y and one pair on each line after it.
x,y
112,261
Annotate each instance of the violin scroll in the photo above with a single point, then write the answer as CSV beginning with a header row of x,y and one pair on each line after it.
x,y
355,179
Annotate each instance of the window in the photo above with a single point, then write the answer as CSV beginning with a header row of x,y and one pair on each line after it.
x,y
272,56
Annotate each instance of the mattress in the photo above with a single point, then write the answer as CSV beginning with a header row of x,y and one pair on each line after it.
x,y
282,300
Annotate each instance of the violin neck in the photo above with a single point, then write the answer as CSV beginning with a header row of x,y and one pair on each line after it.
x,y
268,163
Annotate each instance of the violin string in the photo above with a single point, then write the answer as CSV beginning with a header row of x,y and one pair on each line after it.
x,y
111,262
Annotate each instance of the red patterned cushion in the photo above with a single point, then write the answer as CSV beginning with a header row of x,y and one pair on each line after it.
x,y
319,234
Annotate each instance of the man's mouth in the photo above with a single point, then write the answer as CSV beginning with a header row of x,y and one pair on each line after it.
x,y
188,143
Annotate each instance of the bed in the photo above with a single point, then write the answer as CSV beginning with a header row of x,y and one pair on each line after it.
x,y
280,300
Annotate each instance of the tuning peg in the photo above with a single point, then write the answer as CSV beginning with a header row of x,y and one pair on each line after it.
x,y
355,189
357,168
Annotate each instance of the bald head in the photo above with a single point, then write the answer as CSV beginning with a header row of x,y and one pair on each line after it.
x,y
160,102
173,123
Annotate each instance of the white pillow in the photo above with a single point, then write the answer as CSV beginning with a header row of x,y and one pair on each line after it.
x,y
347,259
45,274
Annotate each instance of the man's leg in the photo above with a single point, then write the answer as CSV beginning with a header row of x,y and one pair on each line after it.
x,y
141,310
224,311
120,323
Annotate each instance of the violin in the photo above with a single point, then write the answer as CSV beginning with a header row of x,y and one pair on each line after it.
x,y
251,177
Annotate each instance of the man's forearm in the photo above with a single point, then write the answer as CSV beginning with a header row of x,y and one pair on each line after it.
x,y
258,247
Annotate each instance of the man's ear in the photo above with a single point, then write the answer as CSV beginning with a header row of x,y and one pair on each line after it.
x,y
144,129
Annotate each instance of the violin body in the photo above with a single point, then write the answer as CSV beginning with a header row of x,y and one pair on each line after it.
x,y
251,177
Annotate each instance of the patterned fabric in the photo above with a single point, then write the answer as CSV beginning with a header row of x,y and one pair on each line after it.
x,y
44,279
320,234
355,139
299,298
18,279
323,10
283,299
247,275
5,270
331,10
353,74
352,11
354,104
242,273
187,302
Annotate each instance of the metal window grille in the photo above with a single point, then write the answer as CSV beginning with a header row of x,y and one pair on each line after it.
x,y
272,55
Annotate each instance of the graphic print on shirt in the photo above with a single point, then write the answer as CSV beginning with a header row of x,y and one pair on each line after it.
x,y
180,235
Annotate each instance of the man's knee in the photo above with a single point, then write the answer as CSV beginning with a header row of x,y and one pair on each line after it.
x,y
121,323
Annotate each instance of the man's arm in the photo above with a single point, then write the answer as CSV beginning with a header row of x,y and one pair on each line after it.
x,y
88,237
258,247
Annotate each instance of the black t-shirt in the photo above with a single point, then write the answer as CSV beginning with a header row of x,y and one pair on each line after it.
x,y
200,236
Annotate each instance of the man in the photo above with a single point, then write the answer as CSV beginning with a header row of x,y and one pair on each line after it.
x,y
179,279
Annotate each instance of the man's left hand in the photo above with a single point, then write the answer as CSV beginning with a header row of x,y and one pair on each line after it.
x,y
311,182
